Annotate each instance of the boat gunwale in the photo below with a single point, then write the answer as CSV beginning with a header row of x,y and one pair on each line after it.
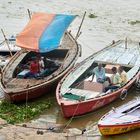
x,y
122,124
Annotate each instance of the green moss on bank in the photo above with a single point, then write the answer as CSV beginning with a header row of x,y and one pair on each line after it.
x,y
134,22
13,113
92,15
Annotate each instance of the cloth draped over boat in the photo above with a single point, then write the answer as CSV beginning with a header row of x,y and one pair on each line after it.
x,y
44,31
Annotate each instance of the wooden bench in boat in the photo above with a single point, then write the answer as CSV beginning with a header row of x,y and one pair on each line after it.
x,y
73,94
93,86
86,90
18,83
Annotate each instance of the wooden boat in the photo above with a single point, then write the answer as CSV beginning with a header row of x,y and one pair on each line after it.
x,y
122,119
17,88
76,95
4,50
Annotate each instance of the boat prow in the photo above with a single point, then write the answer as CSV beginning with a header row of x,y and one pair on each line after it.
x,y
122,119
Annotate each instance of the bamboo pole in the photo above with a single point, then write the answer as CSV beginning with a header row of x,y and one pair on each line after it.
x,y
29,13
6,42
78,32
126,43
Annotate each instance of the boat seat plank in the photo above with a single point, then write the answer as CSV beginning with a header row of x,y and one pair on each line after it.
x,y
21,83
125,58
83,93
107,55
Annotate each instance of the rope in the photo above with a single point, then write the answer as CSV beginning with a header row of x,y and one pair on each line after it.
x,y
70,120
27,100
25,126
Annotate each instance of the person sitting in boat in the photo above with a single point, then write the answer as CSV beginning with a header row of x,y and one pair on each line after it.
x,y
99,72
49,67
34,69
123,75
116,80
41,64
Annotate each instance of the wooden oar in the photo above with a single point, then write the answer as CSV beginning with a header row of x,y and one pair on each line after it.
x,y
78,32
6,42
126,43
29,13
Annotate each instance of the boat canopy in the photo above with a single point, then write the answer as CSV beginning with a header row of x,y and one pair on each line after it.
x,y
44,32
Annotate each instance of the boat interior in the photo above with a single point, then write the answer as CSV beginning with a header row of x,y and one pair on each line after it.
x,y
52,60
84,88
124,53
126,113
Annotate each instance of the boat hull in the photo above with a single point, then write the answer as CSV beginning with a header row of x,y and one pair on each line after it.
x,y
118,129
32,93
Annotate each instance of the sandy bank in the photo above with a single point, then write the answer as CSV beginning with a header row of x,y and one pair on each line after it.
x,y
30,132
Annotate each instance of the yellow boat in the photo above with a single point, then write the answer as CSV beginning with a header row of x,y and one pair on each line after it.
x,y
122,119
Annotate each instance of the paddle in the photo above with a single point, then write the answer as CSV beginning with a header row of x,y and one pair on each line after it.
x,y
78,32
6,42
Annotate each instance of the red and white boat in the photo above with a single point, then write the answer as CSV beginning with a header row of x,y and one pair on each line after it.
x,y
122,119
76,95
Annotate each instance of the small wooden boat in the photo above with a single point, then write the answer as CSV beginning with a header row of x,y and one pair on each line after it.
x,y
8,44
122,119
17,88
77,95
5,52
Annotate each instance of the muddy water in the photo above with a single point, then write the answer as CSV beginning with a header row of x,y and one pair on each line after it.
x,y
54,115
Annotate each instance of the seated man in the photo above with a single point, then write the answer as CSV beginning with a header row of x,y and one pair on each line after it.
x,y
99,72
34,69
41,64
123,75
49,67
116,80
